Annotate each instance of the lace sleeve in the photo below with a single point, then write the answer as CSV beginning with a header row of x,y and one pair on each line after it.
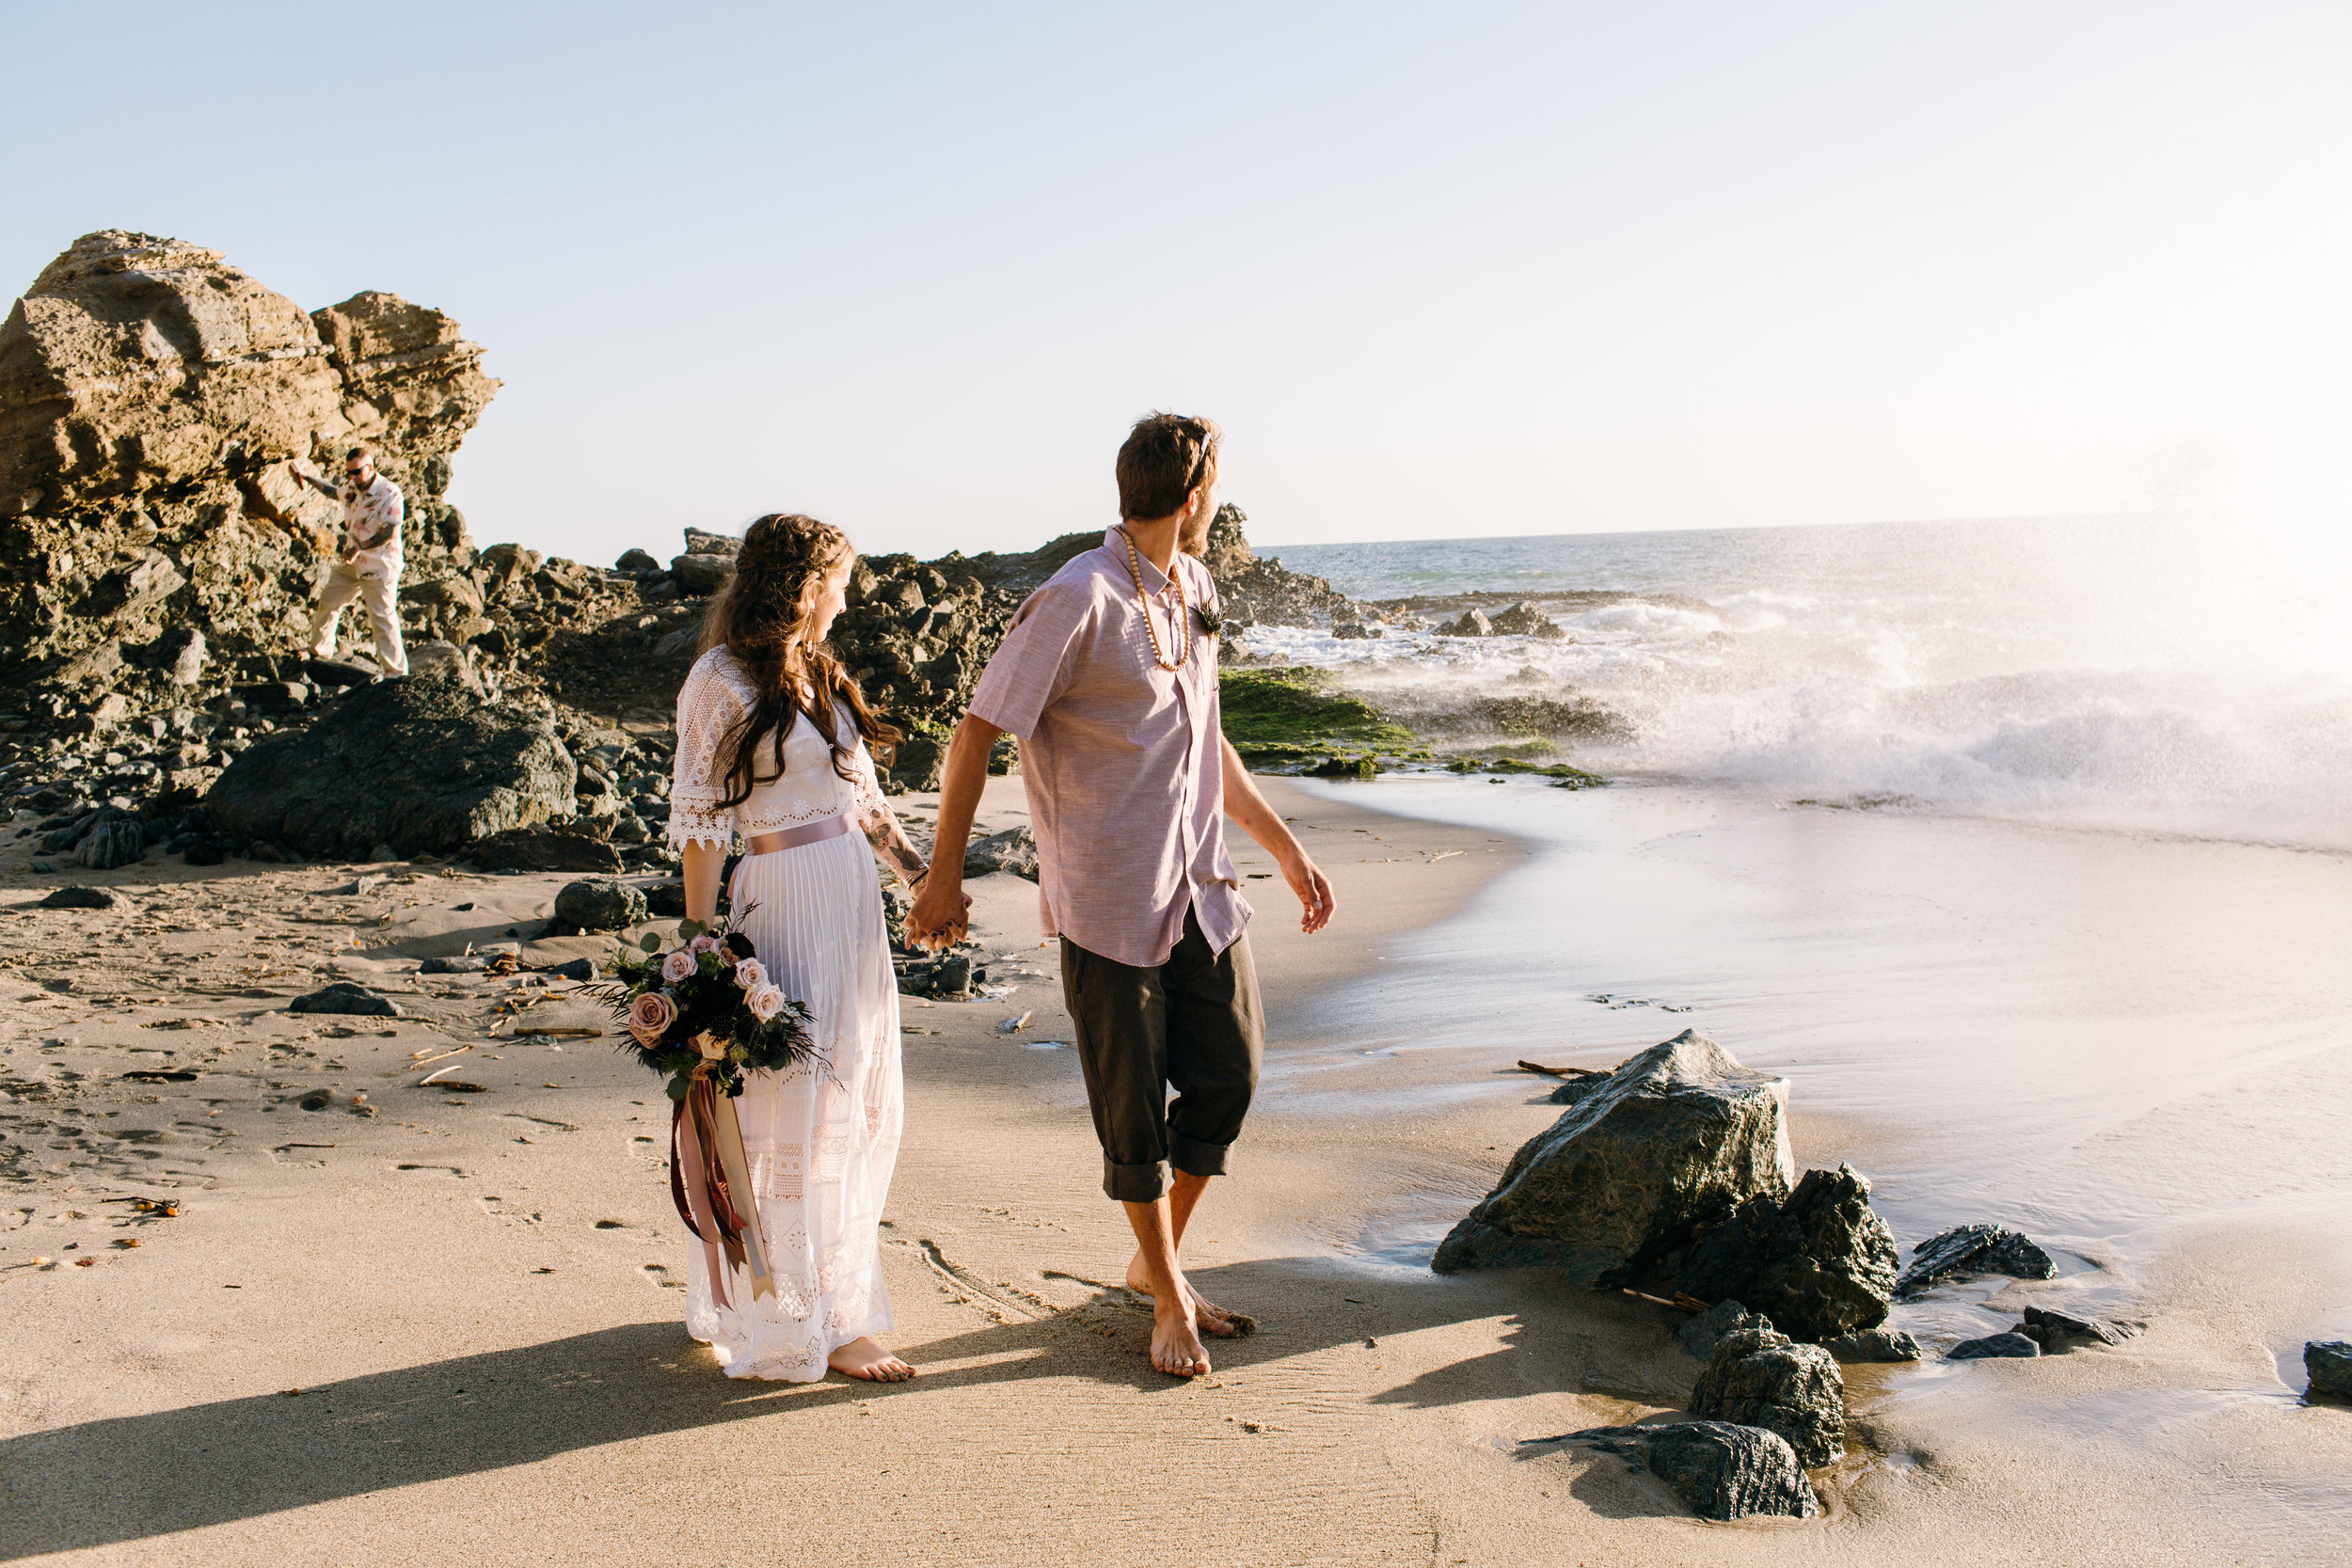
x,y
865,791
709,706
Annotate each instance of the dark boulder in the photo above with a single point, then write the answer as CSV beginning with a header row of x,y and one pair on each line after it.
x,y
1722,1470
1699,1337
636,563
345,997
463,964
1874,1344
116,839
600,904
576,969
1757,1377
1673,1139
525,850
1524,620
1995,1347
702,574
420,764
2059,1332
82,898
1820,1264
1970,1249
666,900
2328,1362
1014,851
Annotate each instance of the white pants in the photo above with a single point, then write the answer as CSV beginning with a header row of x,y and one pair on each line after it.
x,y
375,583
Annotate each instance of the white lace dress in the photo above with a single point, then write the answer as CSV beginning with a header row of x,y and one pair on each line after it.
x,y
823,1140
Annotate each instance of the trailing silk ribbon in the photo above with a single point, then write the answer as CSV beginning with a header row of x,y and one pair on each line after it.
x,y
711,1181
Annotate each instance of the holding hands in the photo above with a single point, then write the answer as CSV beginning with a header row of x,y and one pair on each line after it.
x,y
941,915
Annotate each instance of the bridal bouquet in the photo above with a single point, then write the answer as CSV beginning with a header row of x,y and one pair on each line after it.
x,y
702,1014
705,1008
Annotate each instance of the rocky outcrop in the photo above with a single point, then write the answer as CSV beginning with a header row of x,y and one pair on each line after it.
x,y
1820,1264
2058,1332
1722,1470
464,770
151,397
1972,1249
1699,1337
1673,1140
1758,1377
1874,1345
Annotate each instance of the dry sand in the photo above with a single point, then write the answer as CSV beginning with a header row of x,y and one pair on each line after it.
x,y
475,1292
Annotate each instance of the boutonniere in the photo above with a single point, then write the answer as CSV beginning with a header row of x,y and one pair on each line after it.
x,y
1211,621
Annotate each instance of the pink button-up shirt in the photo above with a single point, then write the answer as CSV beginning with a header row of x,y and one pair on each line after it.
x,y
1122,761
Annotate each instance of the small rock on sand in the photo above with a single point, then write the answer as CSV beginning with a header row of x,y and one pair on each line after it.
x,y
1874,1345
80,898
1722,1470
600,904
2329,1364
1697,1336
1993,1347
1761,1378
345,997
2058,1332
1977,1248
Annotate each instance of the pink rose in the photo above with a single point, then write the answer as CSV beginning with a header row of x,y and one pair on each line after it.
x,y
703,943
677,966
650,1016
751,973
763,1001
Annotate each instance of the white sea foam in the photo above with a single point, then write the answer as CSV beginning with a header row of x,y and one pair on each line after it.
x,y
2116,676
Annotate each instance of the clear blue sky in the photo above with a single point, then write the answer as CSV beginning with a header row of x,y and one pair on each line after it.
x,y
1469,270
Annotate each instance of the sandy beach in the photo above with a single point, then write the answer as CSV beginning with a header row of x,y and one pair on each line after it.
x,y
449,1331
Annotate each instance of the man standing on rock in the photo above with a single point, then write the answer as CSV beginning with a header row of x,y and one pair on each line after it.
x,y
367,565
1108,677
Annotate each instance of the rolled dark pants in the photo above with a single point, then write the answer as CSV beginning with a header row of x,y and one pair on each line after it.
x,y
1195,1022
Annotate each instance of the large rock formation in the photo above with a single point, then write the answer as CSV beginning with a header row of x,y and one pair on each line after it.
x,y
151,397
1670,1143
1819,1266
422,764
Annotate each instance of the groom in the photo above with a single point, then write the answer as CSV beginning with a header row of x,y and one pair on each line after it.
x,y
1108,677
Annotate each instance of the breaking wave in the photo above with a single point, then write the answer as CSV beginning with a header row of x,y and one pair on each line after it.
x,y
2126,675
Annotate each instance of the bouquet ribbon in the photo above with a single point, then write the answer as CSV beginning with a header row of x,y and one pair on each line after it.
x,y
711,1181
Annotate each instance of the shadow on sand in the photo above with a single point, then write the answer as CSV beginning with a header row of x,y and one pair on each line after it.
x,y
242,1458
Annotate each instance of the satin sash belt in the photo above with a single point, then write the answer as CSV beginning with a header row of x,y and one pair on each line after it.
x,y
792,838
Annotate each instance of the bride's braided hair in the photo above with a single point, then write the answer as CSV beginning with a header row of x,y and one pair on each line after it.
x,y
766,618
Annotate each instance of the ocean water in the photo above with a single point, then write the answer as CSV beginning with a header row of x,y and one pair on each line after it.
x,y
2183,678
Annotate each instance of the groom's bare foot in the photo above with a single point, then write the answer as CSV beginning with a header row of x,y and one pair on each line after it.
x,y
1175,1346
866,1360
1208,1317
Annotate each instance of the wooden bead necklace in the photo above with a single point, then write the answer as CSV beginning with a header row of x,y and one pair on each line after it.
x,y
1184,615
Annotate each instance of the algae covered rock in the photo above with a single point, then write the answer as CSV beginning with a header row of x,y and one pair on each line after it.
x,y
1758,1377
1722,1470
1673,1138
1820,1264
419,764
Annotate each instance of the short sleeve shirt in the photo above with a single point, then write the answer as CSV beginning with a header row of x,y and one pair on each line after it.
x,y
372,517
1122,760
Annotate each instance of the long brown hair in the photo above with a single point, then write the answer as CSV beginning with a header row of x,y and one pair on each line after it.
x,y
766,618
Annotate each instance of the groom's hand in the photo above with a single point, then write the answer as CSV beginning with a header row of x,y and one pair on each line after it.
x,y
1315,899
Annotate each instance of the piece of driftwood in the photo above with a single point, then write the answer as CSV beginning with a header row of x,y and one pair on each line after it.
x,y
1559,1071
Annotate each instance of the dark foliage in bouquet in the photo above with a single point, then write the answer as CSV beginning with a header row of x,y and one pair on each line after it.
x,y
707,1000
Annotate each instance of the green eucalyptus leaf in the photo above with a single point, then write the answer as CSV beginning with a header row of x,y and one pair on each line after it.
x,y
676,1088
650,941
689,929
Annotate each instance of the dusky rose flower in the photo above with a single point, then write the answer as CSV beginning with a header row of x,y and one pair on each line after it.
x,y
751,973
677,965
703,943
650,1016
763,1001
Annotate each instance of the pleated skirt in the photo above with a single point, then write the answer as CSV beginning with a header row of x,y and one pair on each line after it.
x,y
822,1138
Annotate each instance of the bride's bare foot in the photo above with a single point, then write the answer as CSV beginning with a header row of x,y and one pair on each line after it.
x,y
866,1360
1175,1347
1208,1317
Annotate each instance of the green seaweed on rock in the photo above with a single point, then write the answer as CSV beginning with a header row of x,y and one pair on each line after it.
x,y
1289,713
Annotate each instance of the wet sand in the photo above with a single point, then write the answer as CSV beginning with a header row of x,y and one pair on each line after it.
x,y
476,1291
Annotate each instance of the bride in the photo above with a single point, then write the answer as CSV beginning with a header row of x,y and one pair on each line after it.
x,y
771,743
